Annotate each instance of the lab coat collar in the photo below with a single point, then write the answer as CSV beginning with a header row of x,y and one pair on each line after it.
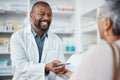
x,y
31,37
29,28
36,35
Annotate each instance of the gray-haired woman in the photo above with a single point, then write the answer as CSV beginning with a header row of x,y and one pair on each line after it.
x,y
98,64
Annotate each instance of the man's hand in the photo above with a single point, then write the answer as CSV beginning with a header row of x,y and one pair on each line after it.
x,y
57,70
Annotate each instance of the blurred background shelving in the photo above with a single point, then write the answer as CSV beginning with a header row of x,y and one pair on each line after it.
x,y
73,21
13,14
89,29
88,24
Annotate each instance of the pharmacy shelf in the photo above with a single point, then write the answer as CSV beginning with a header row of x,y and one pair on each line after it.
x,y
60,13
6,76
88,21
64,32
1,53
89,27
6,72
12,12
6,33
69,53
91,14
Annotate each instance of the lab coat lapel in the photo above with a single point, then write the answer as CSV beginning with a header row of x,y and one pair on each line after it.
x,y
45,50
33,44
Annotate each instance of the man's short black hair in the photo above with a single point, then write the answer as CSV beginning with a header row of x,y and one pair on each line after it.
x,y
40,2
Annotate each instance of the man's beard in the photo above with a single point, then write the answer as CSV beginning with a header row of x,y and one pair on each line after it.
x,y
38,25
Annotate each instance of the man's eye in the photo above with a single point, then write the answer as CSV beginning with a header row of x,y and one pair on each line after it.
x,y
41,14
50,15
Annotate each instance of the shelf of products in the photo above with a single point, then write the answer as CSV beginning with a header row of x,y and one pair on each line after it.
x,y
6,73
89,40
7,28
6,32
5,65
63,29
4,45
5,70
1,53
6,77
68,53
88,30
63,33
89,27
13,5
88,21
13,12
12,17
64,12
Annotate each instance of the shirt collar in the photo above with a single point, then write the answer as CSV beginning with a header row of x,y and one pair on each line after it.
x,y
35,34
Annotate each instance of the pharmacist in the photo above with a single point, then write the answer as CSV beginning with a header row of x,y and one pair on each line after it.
x,y
34,50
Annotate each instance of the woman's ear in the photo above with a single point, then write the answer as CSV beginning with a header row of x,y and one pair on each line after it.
x,y
107,24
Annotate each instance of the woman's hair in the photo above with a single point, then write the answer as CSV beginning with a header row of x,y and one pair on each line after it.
x,y
111,10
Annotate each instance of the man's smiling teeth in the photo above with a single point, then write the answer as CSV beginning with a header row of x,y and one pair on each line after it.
x,y
44,23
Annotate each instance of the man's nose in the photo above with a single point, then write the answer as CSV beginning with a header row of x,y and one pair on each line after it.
x,y
46,17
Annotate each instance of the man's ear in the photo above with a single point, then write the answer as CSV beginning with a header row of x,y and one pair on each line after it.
x,y
31,15
107,24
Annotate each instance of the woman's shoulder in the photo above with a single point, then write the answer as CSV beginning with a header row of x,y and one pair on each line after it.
x,y
100,52
96,64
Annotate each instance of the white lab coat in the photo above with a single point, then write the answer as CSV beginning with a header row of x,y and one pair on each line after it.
x,y
25,56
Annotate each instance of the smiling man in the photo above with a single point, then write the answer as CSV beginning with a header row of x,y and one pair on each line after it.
x,y
41,16
35,50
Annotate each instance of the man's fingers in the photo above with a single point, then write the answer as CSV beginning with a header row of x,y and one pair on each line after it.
x,y
60,72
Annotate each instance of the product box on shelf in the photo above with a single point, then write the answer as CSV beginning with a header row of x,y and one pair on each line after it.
x,y
4,45
9,26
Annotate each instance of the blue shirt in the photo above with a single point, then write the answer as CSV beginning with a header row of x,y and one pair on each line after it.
x,y
40,42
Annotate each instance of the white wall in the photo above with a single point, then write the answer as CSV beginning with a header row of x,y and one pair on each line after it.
x,y
88,5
